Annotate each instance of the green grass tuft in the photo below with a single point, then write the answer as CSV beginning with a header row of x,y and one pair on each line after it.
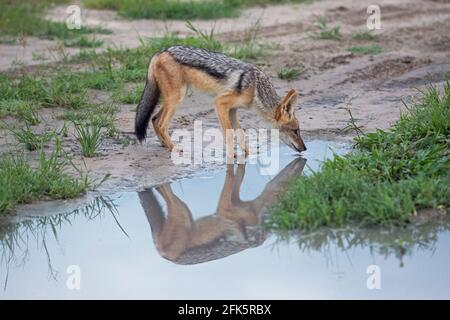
x,y
131,96
290,73
64,89
324,32
364,36
22,183
23,110
372,49
388,178
90,138
31,139
83,42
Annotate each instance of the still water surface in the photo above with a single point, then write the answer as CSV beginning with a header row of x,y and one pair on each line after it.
x,y
201,238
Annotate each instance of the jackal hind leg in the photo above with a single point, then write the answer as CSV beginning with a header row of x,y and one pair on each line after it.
x,y
224,103
238,178
162,119
175,235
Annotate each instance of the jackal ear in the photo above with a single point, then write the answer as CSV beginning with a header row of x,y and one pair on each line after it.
x,y
287,105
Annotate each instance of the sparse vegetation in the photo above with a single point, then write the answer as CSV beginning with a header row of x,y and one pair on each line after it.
x,y
102,116
161,9
25,18
20,182
130,96
324,32
90,138
182,10
372,49
364,36
64,90
388,178
292,73
31,139
83,42
28,114
23,110
247,49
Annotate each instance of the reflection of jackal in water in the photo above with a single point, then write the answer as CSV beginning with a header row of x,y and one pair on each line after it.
x,y
235,226
234,83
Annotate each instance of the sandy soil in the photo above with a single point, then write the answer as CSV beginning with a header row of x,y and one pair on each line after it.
x,y
416,41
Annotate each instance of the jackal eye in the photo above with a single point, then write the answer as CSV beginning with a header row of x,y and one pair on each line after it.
x,y
297,132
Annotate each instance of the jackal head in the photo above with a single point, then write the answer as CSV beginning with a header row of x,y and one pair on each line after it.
x,y
287,123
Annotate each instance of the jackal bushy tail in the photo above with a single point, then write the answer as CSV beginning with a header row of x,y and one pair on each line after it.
x,y
146,107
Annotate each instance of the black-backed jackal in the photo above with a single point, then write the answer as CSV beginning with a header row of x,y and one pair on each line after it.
x,y
234,83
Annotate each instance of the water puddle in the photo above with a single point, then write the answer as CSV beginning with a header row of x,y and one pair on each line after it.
x,y
201,238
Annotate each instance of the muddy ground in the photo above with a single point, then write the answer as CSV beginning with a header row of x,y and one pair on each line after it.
x,y
415,39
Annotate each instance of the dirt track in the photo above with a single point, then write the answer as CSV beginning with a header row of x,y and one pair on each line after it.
x,y
416,41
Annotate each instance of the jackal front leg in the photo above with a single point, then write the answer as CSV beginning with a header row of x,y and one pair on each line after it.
x,y
161,120
223,107
239,131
